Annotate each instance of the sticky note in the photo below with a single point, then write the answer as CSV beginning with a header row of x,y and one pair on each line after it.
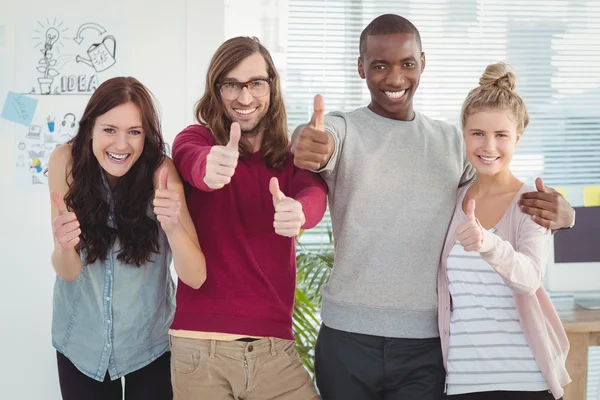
x,y
19,108
562,191
591,196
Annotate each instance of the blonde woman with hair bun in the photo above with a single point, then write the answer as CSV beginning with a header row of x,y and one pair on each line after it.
x,y
501,336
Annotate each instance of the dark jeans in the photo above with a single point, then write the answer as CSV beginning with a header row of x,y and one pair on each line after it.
x,y
153,382
504,395
363,367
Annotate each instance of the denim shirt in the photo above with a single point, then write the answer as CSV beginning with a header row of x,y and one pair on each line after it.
x,y
115,317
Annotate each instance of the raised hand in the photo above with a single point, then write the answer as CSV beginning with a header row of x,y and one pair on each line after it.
x,y
166,202
65,226
289,216
314,147
470,232
222,160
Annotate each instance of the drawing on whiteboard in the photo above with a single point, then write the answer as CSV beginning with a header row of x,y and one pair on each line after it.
x,y
68,127
47,64
35,146
35,132
70,65
100,57
50,122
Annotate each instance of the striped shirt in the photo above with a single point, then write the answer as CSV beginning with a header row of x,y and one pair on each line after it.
x,y
488,350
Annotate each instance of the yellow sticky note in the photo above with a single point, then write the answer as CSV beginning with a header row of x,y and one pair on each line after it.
x,y
562,191
591,196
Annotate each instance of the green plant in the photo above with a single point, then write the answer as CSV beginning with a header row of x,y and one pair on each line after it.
x,y
313,270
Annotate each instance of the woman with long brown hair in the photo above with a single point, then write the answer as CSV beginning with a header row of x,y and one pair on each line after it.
x,y
119,216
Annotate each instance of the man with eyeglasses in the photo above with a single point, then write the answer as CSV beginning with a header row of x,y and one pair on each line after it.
x,y
232,338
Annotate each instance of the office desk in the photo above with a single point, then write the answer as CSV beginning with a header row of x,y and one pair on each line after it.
x,y
583,329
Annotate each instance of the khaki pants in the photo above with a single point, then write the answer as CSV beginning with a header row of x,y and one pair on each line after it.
x,y
266,369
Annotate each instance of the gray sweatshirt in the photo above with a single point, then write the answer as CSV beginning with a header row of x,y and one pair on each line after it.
x,y
392,191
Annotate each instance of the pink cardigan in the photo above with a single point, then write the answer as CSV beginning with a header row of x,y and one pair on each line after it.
x,y
523,271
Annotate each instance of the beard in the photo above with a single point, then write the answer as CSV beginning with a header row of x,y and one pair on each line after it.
x,y
254,131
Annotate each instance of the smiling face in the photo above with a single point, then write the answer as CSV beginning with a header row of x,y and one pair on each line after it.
x,y
248,110
118,140
392,66
491,137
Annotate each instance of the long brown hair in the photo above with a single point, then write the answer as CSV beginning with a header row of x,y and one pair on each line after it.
x,y
136,231
211,113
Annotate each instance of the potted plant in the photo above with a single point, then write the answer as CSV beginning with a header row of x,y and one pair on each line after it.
x,y
313,270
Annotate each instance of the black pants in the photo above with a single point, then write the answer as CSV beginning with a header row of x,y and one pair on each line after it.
x,y
504,395
352,366
153,382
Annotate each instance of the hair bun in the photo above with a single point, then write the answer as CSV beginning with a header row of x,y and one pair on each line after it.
x,y
498,77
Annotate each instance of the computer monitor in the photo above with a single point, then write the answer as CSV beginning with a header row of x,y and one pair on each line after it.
x,y
574,261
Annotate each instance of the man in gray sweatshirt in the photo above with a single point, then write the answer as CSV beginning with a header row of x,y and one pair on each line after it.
x,y
392,175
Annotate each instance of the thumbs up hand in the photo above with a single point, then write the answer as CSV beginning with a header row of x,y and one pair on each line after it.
x,y
222,160
289,216
65,226
166,202
314,147
470,232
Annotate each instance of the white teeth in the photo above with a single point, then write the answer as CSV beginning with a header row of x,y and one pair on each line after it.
x,y
395,95
245,112
490,159
117,157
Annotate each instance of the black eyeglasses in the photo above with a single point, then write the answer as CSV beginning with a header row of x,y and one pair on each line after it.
x,y
257,87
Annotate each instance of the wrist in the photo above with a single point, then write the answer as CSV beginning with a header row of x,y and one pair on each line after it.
x,y
572,224
173,232
61,252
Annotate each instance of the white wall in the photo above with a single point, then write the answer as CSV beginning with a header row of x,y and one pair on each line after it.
x,y
167,46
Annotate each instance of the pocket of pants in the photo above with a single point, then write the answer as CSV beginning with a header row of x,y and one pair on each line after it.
x,y
289,350
185,361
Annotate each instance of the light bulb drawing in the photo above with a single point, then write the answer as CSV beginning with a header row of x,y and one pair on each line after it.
x,y
50,38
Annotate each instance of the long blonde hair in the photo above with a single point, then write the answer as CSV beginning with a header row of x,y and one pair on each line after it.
x,y
211,113
496,91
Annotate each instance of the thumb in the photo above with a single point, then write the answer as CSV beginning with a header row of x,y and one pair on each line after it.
x,y
235,134
275,191
318,119
60,203
163,178
539,185
471,209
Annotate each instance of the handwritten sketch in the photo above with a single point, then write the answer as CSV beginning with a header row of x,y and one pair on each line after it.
x,y
33,148
47,62
35,132
100,57
70,65
68,127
